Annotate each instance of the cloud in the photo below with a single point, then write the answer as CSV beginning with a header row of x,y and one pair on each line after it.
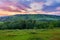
x,y
58,8
54,13
49,2
58,1
11,6
36,6
28,0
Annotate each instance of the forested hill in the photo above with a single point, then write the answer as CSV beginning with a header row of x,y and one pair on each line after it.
x,y
29,21
40,17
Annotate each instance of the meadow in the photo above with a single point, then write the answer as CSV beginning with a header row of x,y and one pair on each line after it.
x,y
30,34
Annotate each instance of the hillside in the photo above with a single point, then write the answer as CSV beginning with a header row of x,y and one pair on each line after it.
x,y
40,17
29,21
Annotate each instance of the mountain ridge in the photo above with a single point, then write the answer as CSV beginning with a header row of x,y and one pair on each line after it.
x,y
29,17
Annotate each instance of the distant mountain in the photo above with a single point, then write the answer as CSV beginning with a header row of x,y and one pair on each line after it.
x,y
39,17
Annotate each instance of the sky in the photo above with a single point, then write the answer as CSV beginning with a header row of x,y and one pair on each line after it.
x,y
13,7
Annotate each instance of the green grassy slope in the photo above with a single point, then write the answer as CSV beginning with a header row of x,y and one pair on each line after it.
x,y
31,34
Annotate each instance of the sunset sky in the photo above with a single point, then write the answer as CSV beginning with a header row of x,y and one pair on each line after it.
x,y
12,7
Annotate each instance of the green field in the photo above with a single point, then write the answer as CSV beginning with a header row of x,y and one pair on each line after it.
x,y
30,34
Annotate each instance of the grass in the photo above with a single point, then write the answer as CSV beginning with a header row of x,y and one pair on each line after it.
x,y
30,34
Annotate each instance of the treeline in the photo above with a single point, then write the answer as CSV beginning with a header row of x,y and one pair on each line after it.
x,y
29,24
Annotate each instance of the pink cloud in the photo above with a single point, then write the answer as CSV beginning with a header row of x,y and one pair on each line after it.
x,y
58,8
53,13
11,6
